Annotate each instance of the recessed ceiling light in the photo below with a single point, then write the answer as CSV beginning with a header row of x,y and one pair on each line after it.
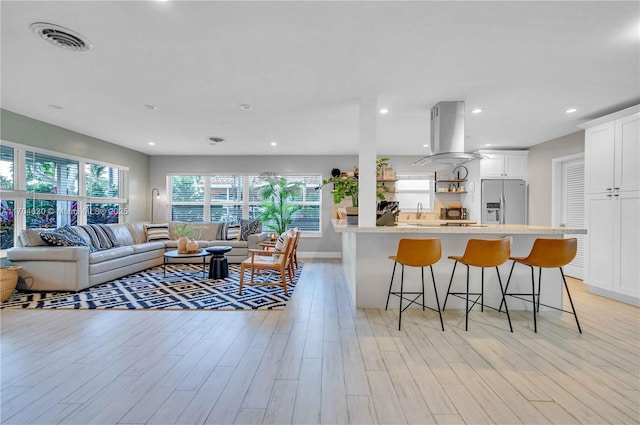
x,y
152,107
476,111
487,145
384,111
274,143
151,143
425,146
571,110
55,106
246,107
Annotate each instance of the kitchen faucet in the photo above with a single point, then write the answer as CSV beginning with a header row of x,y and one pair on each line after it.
x,y
419,210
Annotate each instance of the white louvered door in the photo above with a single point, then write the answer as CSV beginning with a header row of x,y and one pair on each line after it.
x,y
573,209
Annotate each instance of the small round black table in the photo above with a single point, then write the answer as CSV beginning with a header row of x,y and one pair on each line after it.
x,y
218,267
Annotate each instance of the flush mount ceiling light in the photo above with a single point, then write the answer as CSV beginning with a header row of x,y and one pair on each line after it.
x,y
476,111
215,140
384,111
571,110
61,37
246,107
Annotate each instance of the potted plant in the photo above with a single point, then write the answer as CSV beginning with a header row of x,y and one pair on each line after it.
x,y
348,186
277,209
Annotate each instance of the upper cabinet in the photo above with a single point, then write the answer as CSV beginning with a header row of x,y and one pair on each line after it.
x,y
611,156
503,164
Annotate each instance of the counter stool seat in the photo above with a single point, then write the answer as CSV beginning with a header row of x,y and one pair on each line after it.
x,y
415,253
480,253
545,253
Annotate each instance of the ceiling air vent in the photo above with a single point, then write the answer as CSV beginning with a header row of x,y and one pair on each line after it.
x,y
215,140
61,36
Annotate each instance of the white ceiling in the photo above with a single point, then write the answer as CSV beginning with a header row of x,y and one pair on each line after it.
x,y
303,66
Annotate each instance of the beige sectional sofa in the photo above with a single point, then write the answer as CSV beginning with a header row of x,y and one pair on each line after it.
x,y
74,268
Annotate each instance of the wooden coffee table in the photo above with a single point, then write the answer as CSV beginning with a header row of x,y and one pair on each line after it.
x,y
174,255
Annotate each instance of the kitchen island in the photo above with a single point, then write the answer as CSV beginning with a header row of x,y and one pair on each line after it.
x,y
365,252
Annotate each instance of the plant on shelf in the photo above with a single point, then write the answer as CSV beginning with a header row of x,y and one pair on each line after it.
x,y
344,186
277,207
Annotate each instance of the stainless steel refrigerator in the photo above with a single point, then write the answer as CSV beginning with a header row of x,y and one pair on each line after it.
x,y
504,202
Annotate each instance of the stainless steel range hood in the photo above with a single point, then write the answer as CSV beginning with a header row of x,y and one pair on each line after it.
x,y
447,136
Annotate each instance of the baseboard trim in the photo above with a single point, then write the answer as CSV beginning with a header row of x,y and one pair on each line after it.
x,y
324,254
615,296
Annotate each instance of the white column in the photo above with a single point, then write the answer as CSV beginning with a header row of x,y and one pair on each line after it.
x,y
367,162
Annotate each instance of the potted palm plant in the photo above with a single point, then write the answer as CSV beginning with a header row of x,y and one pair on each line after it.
x,y
277,208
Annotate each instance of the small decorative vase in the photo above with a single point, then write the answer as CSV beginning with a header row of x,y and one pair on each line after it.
x,y
182,245
192,246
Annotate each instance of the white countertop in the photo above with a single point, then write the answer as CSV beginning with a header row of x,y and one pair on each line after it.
x,y
435,227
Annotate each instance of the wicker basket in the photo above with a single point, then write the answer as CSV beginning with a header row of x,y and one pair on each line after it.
x,y
8,281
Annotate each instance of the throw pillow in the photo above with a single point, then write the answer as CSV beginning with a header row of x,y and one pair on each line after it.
x,y
157,232
58,239
74,236
221,233
101,236
233,232
248,227
280,243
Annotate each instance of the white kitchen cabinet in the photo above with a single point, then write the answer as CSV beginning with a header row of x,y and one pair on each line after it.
x,y
503,164
613,242
612,205
612,150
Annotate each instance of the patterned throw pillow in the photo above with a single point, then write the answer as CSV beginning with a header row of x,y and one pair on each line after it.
x,y
248,227
233,232
74,236
101,236
58,239
221,234
280,243
157,232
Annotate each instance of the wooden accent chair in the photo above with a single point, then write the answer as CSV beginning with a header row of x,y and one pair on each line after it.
x,y
272,260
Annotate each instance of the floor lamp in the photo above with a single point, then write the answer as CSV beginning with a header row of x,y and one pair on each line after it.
x,y
157,192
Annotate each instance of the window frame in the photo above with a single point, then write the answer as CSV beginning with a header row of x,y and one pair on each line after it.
x,y
430,176
246,202
20,195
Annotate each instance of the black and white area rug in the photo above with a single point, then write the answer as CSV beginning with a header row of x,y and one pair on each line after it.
x,y
183,288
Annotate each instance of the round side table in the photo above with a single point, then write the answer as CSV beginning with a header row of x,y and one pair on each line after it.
x,y
218,267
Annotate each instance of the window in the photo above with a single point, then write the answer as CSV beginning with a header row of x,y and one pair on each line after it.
x,y
44,189
6,168
414,188
233,197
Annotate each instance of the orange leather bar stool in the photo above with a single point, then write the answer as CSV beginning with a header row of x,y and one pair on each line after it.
x,y
415,253
546,253
481,253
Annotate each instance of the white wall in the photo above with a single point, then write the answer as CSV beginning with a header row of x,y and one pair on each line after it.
x,y
27,131
539,168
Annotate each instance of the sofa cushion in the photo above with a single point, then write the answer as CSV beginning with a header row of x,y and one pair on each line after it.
x,y
110,254
232,244
122,234
148,246
157,232
138,232
31,237
199,231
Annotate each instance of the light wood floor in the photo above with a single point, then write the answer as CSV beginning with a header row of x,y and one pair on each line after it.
x,y
321,361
